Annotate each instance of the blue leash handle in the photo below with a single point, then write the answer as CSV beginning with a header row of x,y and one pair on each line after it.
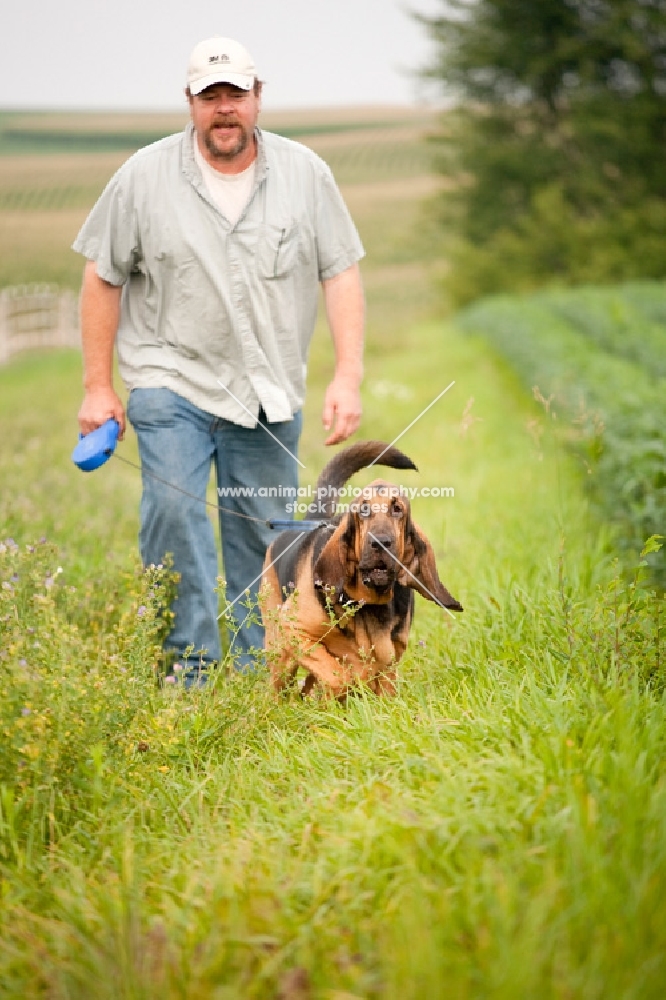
x,y
96,448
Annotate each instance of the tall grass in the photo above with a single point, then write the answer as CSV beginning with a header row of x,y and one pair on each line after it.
x,y
498,829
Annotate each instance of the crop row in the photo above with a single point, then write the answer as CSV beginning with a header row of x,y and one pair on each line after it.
x,y
52,198
624,324
597,353
376,161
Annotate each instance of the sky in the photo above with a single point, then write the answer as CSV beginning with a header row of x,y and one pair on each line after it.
x,y
132,54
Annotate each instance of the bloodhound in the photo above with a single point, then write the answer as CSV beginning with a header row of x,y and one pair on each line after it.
x,y
338,601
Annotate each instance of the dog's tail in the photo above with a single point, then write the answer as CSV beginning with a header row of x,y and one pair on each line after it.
x,y
343,465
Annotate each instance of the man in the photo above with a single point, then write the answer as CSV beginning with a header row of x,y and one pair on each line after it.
x,y
205,255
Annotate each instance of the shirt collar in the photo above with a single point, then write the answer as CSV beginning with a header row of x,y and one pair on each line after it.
x,y
192,170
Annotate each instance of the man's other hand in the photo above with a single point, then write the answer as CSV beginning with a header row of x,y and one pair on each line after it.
x,y
342,409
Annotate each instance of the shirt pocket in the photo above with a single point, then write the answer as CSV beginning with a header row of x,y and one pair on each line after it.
x,y
174,259
278,250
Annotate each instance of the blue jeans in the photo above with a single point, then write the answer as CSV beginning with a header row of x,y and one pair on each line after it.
x,y
177,442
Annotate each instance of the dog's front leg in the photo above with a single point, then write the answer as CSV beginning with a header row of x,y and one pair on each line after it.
x,y
334,675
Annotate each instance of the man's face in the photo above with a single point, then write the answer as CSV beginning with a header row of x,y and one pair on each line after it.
x,y
224,118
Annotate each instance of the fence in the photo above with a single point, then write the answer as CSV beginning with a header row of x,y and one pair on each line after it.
x,y
37,316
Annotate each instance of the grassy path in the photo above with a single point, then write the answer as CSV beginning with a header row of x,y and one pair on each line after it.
x,y
498,830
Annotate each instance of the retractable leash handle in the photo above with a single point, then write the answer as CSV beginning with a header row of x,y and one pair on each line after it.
x,y
96,448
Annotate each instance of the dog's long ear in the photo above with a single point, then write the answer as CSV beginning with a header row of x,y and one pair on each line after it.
x,y
336,564
420,572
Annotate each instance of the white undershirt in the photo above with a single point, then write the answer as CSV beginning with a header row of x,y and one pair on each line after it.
x,y
230,192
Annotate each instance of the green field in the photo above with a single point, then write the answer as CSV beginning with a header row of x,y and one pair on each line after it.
x,y
496,830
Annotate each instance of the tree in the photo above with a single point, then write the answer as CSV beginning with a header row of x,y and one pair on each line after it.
x,y
556,141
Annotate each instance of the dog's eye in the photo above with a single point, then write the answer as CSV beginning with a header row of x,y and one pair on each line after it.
x,y
396,510
364,510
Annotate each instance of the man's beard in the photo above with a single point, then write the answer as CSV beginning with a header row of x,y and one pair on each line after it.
x,y
232,152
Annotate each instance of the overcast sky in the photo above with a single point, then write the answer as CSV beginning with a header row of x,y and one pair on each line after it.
x,y
133,53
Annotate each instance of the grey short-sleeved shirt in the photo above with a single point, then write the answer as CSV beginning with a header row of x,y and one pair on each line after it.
x,y
205,301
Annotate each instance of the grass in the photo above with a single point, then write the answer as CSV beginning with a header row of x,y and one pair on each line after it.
x,y
497,830
499,827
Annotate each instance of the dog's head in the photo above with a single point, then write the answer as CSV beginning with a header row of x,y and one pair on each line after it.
x,y
377,545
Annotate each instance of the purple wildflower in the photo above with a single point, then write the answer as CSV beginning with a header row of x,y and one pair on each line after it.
x,y
140,611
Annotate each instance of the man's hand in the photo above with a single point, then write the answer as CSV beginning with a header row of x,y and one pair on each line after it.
x,y
98,406
342,409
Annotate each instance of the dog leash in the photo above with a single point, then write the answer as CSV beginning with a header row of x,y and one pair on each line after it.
x,y
96,448
276,523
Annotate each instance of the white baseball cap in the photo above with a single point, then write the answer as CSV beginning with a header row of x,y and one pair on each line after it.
x,y
220,60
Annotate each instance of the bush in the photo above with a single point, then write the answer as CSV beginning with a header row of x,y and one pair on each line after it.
x,y
555,244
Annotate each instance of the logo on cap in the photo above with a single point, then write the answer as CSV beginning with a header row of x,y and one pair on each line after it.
x,y
219,59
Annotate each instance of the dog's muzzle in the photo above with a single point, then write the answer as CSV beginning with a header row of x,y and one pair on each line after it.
x,y
378,575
